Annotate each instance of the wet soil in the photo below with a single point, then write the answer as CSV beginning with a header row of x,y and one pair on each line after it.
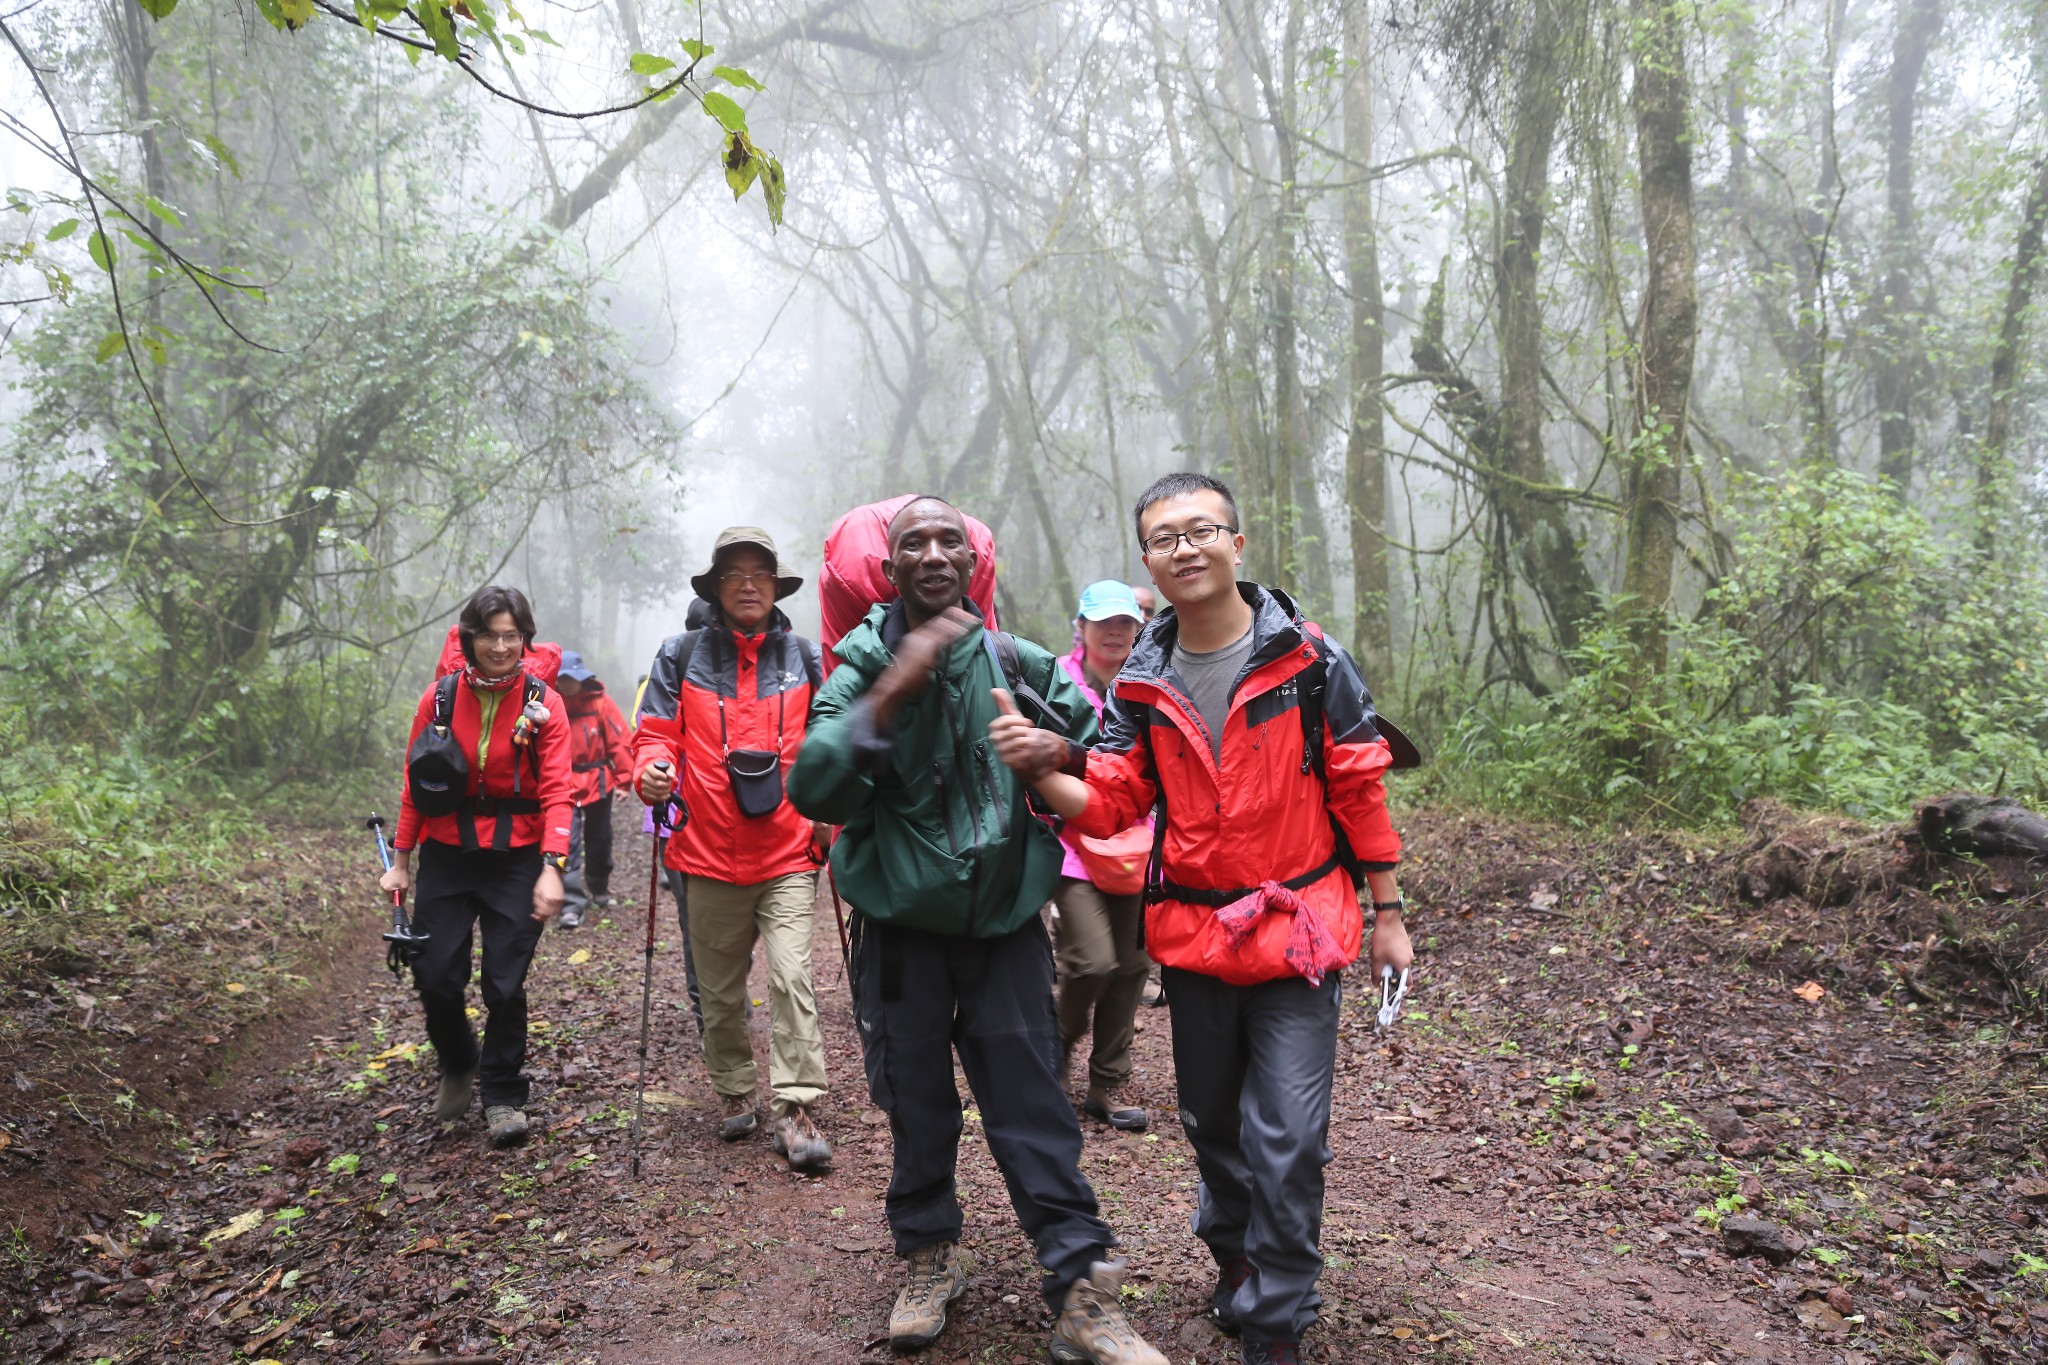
x,y
1613,1059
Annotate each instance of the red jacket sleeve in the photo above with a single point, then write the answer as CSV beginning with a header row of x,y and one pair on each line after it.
x,y
1355,760
557,780
407,834
658,728
1119,777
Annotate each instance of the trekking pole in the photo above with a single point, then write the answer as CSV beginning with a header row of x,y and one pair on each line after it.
x,y
647,969
839,913
405,944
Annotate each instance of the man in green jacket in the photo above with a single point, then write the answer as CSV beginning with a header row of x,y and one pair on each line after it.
x,y
947,866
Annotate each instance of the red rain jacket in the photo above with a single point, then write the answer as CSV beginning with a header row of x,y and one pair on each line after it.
x,y
600,755
1263,813
759,688
508,774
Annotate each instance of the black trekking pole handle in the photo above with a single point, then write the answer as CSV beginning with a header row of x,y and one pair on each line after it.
x,y
405,944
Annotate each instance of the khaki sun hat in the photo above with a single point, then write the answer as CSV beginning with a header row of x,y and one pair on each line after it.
x,y
705,584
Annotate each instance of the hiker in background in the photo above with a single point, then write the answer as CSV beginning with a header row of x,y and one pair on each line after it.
x,y
1148,604
487,803
599,759
1102,965
1256,737
946,868
723,714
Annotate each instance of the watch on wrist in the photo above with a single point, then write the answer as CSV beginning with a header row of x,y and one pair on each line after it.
x,y
558,861
1382,907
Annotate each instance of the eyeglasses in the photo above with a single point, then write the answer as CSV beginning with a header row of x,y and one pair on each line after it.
x,y
1166,542
513,641
737,579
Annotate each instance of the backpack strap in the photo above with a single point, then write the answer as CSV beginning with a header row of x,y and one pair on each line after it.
x,y
444,700
1002,647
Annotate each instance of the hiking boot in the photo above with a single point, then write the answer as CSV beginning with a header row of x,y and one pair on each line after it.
x,y
795,1137
935,1281
457,1090
569,919
1154,994
739,1120
1229,1275
507,1125
1092,1328
606,901
1122,1117
1270,1353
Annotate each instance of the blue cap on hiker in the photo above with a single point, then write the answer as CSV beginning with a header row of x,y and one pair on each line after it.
x,y
1108,599
574,669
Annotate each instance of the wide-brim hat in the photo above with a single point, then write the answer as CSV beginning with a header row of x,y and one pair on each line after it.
x,y
705,584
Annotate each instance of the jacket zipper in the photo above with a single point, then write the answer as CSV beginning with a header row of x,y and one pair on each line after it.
x,y
988,774
945,812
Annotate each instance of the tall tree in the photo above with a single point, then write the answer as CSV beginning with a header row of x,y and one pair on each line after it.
x,y
1899,360
1365,466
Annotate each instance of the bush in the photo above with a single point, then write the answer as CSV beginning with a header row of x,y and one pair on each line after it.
x,y
1847,664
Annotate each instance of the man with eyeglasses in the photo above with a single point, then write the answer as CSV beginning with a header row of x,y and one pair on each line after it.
x,y
1254,736
721,719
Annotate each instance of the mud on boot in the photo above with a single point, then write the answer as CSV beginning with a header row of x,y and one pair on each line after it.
x,y
451,1101
739,1119
507,1125
1092,1328
935,1281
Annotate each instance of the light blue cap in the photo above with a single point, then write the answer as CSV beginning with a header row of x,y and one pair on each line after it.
x,y
1108,599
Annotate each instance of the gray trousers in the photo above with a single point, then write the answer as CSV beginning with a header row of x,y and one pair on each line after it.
x,y
1254,1066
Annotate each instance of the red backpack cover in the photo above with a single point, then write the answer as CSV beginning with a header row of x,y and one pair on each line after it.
x,y
851,580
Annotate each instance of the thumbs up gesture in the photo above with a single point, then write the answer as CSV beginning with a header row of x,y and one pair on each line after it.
x,y
1029,752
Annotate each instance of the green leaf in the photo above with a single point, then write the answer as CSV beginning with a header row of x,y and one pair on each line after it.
x,y
733,75
727,112
741,171
698,50
61,231
774,189
159,9
155,349
647,64
164,212
297,13
101,250
111,345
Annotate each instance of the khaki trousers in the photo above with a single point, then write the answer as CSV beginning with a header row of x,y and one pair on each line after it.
x,y
724,922
1102,975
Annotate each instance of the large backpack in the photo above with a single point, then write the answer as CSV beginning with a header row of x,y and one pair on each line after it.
x,y
436,768
850,581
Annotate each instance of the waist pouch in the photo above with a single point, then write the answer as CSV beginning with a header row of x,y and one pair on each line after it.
x,y
756,778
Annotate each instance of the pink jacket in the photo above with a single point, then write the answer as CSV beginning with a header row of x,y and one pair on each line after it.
x,y
1073,866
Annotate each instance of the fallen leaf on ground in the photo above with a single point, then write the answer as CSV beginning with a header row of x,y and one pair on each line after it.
x,y
1810,991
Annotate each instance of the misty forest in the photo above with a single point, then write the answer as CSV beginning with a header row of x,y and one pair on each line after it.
x,y
1650,395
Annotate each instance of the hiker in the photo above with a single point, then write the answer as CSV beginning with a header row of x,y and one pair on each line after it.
x,y
490,749
1256,736
1102,966
946,869
722,715
600,756
1148,604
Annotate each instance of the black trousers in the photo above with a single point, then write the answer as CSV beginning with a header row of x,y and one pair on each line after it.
x,y
917,997
456,894
597,846
1254,1066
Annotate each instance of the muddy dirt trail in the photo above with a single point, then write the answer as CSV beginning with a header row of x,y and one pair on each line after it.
x,y
1625,1120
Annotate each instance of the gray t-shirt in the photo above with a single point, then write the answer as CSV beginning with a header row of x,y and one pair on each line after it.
x,y
1209,677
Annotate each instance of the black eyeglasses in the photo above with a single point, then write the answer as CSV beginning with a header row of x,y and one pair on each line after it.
x,y
1166,542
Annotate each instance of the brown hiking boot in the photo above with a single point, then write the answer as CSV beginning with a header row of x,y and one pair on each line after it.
x,y
739,1119
935,1281
458,1088
1092,1328
795,1137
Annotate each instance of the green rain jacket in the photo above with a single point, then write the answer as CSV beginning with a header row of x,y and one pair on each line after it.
x,y
938,835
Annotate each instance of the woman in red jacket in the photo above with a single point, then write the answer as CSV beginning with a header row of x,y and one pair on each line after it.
x,y
493,861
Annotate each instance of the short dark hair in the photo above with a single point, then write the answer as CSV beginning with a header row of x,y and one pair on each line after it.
x,y
914,501
487,602
1179,486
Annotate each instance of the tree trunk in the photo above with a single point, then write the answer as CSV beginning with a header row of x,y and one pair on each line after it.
x,y
1662,381
1365,467
1993,461
1899,362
